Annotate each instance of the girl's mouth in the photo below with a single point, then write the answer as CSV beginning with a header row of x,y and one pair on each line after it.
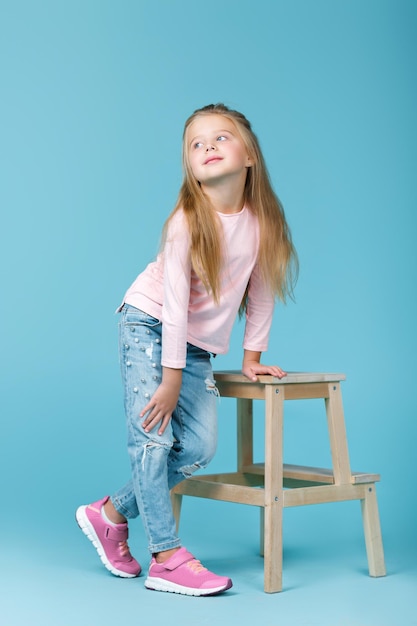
x,y
212,160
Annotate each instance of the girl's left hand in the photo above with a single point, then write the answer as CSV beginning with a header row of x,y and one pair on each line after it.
x,y
252,368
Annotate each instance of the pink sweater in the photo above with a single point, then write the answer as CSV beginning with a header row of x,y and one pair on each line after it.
x,y
170,290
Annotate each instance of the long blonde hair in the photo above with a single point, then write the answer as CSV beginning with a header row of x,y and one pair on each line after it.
x,y
277,256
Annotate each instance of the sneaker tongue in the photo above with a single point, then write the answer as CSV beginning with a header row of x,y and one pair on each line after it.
x,y
117,533
181,556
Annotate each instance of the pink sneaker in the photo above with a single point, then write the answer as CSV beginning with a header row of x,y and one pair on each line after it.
x,y
182,573
109,541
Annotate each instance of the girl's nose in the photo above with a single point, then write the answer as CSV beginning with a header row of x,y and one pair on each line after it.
x,y
209,146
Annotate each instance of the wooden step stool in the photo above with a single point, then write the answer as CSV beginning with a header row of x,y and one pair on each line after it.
x,y
273,485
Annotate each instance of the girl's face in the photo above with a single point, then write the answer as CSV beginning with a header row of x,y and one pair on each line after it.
x,y
215,150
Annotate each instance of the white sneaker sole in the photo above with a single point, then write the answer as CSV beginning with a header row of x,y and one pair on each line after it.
x,y
159,584
88,530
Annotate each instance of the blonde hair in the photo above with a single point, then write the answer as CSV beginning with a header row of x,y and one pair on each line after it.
x,y
277,256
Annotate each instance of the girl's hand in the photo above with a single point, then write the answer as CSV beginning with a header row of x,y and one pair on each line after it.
x,y
159,409
251,367
163,402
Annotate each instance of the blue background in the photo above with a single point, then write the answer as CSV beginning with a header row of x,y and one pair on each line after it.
x,y
94,95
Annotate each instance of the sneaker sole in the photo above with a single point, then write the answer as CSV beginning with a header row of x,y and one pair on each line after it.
x,y
88,530
159,584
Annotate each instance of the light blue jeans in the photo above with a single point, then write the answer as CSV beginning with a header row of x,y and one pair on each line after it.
x,y
158,462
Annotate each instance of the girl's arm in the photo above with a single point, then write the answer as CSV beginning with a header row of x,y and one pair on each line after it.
x,y
258,323
252,366
177,285
160,407
177,277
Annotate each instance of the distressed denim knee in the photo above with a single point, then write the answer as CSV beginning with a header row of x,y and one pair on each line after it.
x,y
194,421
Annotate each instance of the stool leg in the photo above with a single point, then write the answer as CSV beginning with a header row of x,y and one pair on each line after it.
x,y
176,501
274,406
262,534
337,434
244,433
373,535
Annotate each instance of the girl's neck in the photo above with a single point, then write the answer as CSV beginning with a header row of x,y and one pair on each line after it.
x,y
225,199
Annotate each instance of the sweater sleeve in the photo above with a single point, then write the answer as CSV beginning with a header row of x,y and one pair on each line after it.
x,y
177,280
259,313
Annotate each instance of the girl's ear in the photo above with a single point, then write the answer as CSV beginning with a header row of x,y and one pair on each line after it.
x,y
249,161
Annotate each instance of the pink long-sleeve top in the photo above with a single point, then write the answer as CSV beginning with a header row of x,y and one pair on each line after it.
x,y
170,290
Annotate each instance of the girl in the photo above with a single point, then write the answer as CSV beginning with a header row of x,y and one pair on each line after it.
x,y
226,248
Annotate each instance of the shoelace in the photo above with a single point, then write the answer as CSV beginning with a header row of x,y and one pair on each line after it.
x,y
196,566
124,548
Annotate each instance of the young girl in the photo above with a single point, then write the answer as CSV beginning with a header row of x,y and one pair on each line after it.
x,y
226,249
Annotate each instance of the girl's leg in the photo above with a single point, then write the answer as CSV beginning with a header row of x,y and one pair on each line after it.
x,y
148,493
104,521
194,425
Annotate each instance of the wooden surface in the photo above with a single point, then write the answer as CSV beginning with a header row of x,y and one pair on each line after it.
x,y
236,376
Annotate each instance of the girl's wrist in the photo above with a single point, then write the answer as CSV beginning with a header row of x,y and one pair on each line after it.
x,y
250,356
172,377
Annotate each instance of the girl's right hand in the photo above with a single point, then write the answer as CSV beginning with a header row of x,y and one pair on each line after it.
x,y
163,402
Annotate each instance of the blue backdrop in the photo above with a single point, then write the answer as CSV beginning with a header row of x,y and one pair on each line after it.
x,y
94,97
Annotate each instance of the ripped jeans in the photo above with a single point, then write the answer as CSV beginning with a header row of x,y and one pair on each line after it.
x,y
158,462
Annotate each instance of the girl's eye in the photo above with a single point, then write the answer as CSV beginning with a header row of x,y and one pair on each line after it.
x,y
221,138
197,145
